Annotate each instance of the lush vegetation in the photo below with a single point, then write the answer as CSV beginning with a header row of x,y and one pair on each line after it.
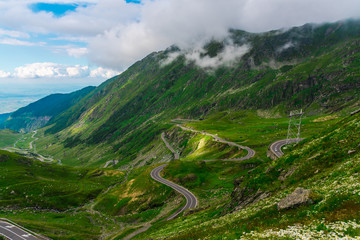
x,y
8,138
52,199
258,129
48,186
196,146
329,169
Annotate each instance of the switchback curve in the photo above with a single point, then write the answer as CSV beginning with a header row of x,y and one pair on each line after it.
x,y
275,147
250,152
191,200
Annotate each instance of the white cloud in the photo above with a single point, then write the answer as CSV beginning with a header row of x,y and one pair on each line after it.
x,y
49,70
226,57
104,73
77,52
121,46
77,71
14,34
38,70
70,49
4,74
85,21
285,46
189,23
171,57
16,42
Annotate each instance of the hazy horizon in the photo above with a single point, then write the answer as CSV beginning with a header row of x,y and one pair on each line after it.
x,y
21,96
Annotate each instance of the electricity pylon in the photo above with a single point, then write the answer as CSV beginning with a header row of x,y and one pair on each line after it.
x,y
294,128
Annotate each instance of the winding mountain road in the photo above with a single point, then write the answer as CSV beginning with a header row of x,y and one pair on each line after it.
x,y
14,232
31,151
250,152
191,200
31,143
275,147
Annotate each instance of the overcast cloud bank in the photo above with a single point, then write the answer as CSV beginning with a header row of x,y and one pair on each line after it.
x,y
118,33
188,23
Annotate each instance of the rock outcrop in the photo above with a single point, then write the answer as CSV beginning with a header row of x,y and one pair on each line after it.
x,y
288,173
243,196
299,197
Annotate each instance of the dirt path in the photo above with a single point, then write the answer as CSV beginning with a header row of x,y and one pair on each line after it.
x,y
133,234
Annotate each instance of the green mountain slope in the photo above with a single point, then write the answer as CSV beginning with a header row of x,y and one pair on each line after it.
x,y
4,117
326,164
30,189
8,138
37,114
312,67
48,186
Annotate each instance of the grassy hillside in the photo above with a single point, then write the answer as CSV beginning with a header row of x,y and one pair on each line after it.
x,y
48,186
140,199
128,112
8,138
51,198
37,114
258,129
327,164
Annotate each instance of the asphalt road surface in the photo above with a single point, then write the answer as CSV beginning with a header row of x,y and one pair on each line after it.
x,y
191,200
276,146
33,136
250,152
13,232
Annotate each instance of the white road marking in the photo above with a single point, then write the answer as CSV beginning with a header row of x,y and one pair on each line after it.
x,y
13,232
191,200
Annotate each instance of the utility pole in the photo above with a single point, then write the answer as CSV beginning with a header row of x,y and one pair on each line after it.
x,y
294,128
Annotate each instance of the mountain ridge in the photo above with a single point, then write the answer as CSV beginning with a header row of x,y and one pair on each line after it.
x,y
139,103
39,113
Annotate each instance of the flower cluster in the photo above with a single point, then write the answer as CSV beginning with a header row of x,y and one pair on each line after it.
x,y
316,230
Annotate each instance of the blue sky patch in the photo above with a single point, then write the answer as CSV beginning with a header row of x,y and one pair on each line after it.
x,y
133,1
58,9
